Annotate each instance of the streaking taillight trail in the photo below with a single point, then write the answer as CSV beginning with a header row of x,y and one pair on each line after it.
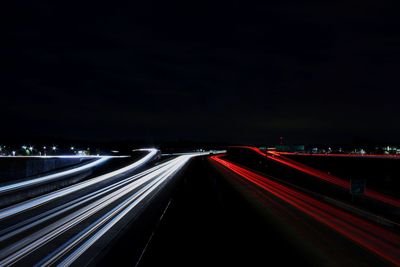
x,y
323,176
376,239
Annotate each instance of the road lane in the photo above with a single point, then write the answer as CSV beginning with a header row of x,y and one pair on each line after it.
x,y
374,238
372,194
77,224
32,203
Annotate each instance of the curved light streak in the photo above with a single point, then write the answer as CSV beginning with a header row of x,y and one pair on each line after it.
x,y
324,176
372,237
138,188
32,203
375,156
40,180
32,222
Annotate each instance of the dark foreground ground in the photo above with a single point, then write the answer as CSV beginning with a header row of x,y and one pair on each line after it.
x,y
213,218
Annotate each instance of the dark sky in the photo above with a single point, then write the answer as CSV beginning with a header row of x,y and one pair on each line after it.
x,y
228,71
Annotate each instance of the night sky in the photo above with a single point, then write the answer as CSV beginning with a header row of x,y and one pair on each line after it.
x,y
204,71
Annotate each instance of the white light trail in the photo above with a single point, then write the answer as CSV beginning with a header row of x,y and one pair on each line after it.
x,y
43,217
38,201
63,157
147,182
40,180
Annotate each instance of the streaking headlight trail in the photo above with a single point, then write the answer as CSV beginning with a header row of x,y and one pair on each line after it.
x,y
99,211
40,180
29,204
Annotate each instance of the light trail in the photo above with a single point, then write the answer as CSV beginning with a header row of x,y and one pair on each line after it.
x,y
40,180
190,153
107,221
124,195
38,201
375,156
372,237
34,241
32,222
324,176
64,157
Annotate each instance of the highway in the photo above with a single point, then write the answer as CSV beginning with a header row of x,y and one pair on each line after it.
x,y
368,235
226,214
326,177
61,226
181,209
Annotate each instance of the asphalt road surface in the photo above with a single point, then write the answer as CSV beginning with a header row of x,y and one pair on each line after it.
x,y
63,226
217,218
194,210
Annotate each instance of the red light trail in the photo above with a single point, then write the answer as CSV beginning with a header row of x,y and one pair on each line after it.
x,y
324,176
341,155
372,237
